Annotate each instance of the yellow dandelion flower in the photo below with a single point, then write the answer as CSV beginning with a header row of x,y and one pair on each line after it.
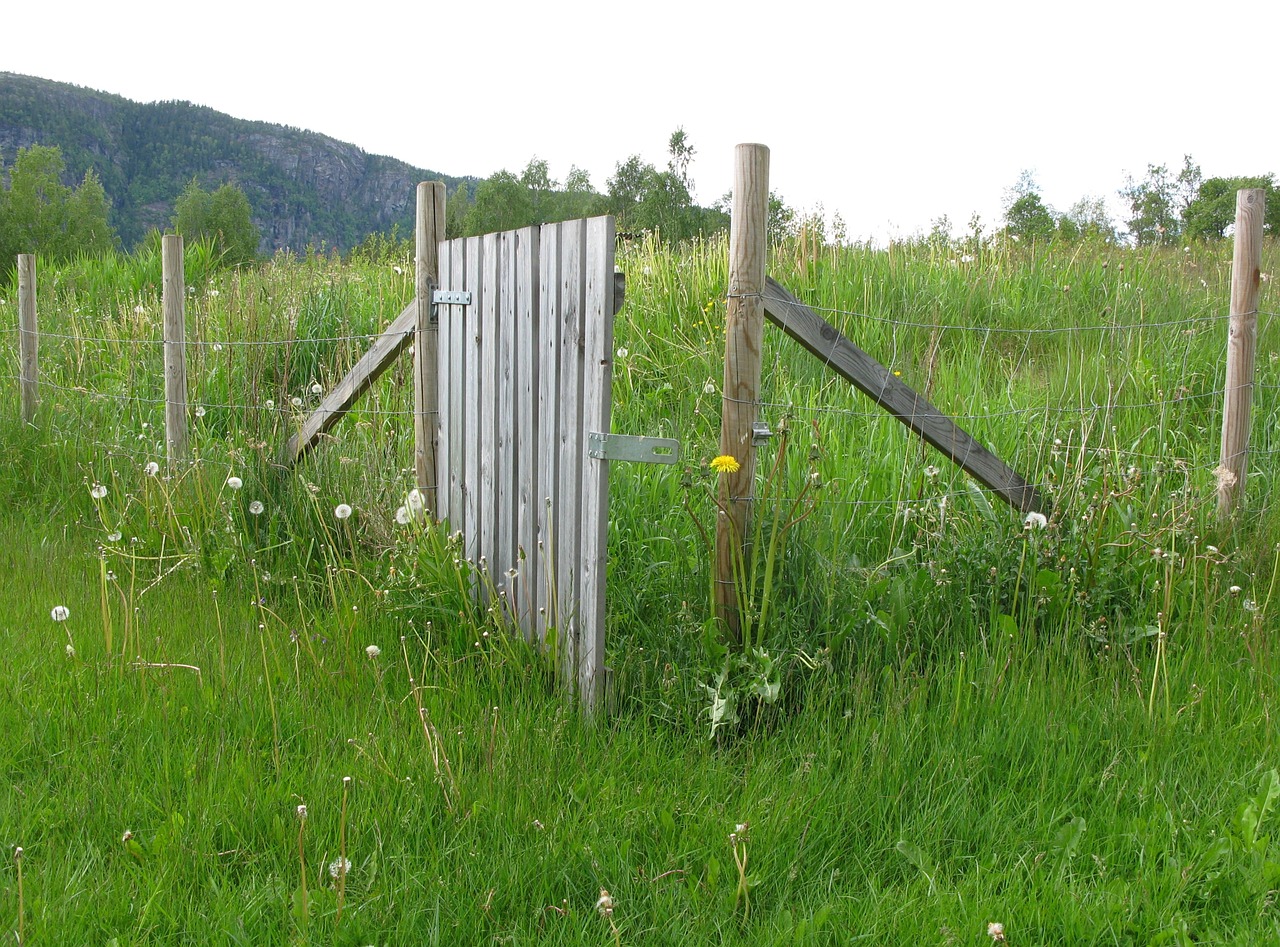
x,y
725,464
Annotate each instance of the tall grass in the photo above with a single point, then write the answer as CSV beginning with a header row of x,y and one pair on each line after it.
x,y
1064,729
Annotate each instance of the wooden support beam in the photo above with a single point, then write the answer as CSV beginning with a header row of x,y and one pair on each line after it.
x,y
394,339
28,337
174,302
858,368
428,232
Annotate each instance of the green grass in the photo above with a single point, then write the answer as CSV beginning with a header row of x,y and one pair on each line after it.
x,y
1068,731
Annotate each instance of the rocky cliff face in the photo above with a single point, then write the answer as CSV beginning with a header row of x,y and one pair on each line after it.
x,y
304,188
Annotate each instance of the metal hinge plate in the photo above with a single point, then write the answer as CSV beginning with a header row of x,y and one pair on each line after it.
x,y
447,297
639,450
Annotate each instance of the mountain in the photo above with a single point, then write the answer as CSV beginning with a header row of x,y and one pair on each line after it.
x,y
304,188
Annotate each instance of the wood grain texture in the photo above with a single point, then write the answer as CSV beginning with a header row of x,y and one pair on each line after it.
x,y
744,334
597,404
568,530
1242,343
470,451
866,374
174,302
527,423
548,480
28,338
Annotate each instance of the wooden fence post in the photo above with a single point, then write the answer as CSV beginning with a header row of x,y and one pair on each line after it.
x,y
744,332
428,233
28,337
1242,339
175,348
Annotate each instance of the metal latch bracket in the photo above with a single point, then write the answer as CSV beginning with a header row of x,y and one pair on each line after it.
x,y
640,450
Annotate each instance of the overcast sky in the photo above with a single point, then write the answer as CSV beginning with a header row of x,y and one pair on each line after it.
x,y
893,114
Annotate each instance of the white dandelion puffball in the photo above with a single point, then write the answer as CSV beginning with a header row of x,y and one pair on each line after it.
x,y
114,537
339,867
151,469
302,812
71,651
98,491
372,651
200,412
316,389
235,483
60,613
256,507
1035,521
402,516
296,402
623,353
709,388
270,404
342,511
414,504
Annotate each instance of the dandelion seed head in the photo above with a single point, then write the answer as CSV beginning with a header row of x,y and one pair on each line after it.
x,y
98,491
339,867
302,813
200,411
1035,520
60,613
256,507
296,401
151,469
316,389
114,537
604,905
342,511
71,651
372,651
235,483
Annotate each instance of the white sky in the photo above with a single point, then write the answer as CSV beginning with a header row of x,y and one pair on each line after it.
x,y
891,114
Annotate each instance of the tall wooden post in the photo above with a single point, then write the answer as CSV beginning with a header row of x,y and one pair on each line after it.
x,y
744,333
28,337
428,233
1242,340
175,347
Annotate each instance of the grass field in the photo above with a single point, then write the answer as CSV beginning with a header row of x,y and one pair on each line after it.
x,y
1067,731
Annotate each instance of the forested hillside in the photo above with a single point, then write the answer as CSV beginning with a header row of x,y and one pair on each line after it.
x,y
304,188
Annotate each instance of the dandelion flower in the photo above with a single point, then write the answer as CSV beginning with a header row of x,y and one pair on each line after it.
x,y
235,483
725,463
302,813
256,507
373,651
98,491
1234,590
995,930
296,402
114,537
414,503
151,469
217,346
316,389
1035,521
200,412
270,404
402,516
623,353
931,471
60,613
710,387
342,511
604,905
339,867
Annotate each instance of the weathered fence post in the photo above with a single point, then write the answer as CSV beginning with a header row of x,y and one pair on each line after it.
x,y
1242,339
744,332
28,337
428,232
175,347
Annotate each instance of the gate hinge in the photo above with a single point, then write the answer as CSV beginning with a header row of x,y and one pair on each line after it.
x,y
640,450
760,433
447,297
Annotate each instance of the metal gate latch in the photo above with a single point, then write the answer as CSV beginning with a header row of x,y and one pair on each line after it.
x,y
640,450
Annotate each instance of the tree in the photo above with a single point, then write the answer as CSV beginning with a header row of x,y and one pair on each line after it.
x,y
1213,209
1026,216
40,214
224,217
1158,202
502,203
1088,219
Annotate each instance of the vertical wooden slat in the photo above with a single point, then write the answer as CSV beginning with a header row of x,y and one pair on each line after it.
x,y
596,405
428,232
548,485
28,337
474,370
173,299
489,348
527,327
567,514
461,317
505,427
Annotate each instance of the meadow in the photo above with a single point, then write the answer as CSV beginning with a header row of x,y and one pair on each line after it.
x,y
245,704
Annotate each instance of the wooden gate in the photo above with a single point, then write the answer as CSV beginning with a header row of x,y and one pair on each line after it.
x,y
525,354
